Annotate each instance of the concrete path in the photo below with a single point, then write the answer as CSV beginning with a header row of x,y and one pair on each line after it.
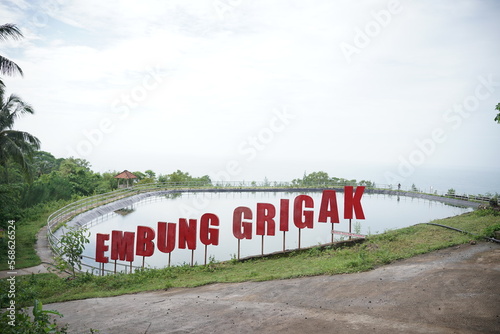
x,y
453,290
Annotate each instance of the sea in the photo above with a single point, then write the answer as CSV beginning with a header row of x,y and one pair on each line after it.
x,y
482,181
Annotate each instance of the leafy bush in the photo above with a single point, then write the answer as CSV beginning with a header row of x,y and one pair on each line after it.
x,y
72,247
486,212
490,230
18,321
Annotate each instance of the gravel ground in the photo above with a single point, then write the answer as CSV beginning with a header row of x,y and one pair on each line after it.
x,y
455,290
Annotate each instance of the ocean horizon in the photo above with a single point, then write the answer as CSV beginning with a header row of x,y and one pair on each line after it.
x,y
463,181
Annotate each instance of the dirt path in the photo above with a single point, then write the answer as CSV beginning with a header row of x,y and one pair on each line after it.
x,y
456,290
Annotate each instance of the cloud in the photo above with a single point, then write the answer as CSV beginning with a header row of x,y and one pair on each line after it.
x,y
224,71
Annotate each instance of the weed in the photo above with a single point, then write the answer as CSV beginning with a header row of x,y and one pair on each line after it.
x,y
20,322
357,227
315,251
490,230
234,259
487,212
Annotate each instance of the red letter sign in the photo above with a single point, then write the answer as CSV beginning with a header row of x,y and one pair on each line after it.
x,y
353,202
303,218
265,215
242,230
100,248
122,245
284,208
328,208
145,245
166,237
209,236
187,233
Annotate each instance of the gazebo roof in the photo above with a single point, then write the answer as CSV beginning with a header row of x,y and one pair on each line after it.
x,y
125,175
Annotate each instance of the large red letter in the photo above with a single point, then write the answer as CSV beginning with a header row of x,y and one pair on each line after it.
x,y
353,202
100,247
301,217
284,211
328,208
209,236
265,214
166,237
187,233
122,246
242,230
145,245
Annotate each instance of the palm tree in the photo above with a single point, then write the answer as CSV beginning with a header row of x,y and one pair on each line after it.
x,y
17,146
8,67
497,118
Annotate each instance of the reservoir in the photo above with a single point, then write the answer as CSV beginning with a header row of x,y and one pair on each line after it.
x,y
382,212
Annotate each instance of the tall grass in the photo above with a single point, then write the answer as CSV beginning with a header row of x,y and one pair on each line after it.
x,y
33,219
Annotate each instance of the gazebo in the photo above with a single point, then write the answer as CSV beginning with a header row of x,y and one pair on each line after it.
x,y
125,175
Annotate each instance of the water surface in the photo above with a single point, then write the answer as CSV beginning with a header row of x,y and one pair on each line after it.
x,y
382,212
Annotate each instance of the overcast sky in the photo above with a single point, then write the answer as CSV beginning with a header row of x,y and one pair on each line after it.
x,y
247,89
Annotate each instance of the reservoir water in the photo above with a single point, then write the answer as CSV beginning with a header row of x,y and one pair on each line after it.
x,y
382,212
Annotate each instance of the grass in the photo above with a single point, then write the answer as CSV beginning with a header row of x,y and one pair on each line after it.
x,y
377,250
26,230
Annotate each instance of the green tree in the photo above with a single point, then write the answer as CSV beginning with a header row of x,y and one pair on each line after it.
x,y
147,177
150,174
140,175
45,163
204,180
179,177
316,178
15,145
83,180
48,187
497,118
107,182
368,184
73,165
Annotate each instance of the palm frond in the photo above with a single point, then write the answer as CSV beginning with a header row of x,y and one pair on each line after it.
x,y
21,139
17,107
10,30
11,109
18,146
8,67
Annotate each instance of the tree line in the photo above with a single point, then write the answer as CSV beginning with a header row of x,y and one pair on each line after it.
x,y
323,179
62,179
